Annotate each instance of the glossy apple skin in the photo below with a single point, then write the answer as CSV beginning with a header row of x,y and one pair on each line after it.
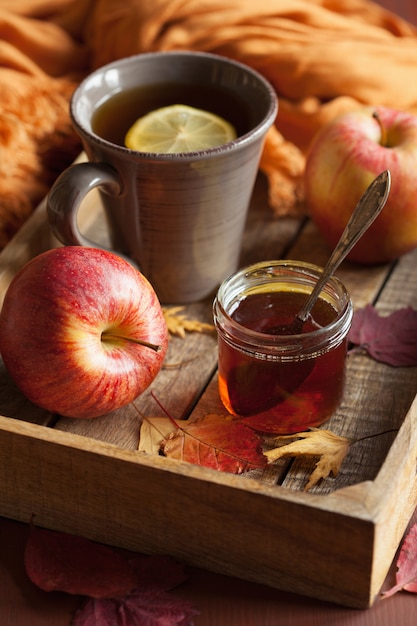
x,y
344,158
51,323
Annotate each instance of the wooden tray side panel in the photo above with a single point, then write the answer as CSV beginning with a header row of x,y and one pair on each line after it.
x,y
393,497
113,497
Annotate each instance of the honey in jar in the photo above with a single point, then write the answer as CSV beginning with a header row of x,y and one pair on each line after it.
x,y
280,382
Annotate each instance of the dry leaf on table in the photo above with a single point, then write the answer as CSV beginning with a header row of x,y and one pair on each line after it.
x,y
57,561
390,339
331,449
120,591
406,576
178,324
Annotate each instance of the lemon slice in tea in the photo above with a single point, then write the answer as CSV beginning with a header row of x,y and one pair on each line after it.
x,y
178,128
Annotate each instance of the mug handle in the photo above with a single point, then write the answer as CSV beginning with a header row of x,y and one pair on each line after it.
x,y
67,193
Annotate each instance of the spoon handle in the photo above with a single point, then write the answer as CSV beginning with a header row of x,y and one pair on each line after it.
x,y
366,211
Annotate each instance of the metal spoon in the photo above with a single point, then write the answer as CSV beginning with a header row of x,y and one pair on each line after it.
x,y
366,211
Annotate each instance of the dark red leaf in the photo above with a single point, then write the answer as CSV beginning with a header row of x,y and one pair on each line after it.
x,y
406,577
144,608
121,592
157,608
57,561
391,339
218,442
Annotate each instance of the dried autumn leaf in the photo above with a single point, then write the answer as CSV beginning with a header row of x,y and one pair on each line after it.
x,y
57,561
147,608
154,430
331,449
391,339
406,576
216,441
178,324
122,591
148,604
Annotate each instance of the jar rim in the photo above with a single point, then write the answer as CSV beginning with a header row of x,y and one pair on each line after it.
x,y
266,272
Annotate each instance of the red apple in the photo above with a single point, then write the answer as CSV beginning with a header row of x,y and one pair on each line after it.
x,y
82,332
343,159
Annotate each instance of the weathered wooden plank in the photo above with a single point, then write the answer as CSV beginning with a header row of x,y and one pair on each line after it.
x,y
362,282
266,237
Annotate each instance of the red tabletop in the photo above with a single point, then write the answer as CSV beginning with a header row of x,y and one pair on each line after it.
x,y
221,601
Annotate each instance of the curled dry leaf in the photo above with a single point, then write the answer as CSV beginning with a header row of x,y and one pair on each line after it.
x,y
331,449
154,430
178,324
406,576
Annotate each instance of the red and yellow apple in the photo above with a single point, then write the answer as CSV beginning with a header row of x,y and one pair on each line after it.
x,y
82,332
343,159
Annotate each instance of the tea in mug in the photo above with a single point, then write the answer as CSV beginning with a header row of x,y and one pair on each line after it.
x,y
118,113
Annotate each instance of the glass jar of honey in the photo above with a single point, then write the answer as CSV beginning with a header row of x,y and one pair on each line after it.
x,y
277,381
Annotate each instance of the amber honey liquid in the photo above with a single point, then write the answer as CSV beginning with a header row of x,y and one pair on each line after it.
x,y
281,396
118,113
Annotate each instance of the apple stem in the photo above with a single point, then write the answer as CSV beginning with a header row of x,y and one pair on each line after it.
x,y
140,342
383,141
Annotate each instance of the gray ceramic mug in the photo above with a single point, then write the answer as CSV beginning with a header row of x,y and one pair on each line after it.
x,y
179,217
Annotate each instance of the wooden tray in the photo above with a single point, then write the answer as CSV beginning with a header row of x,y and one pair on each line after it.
x,y
87,477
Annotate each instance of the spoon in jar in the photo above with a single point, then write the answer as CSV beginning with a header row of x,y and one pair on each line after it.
x,y
279,388
366,211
